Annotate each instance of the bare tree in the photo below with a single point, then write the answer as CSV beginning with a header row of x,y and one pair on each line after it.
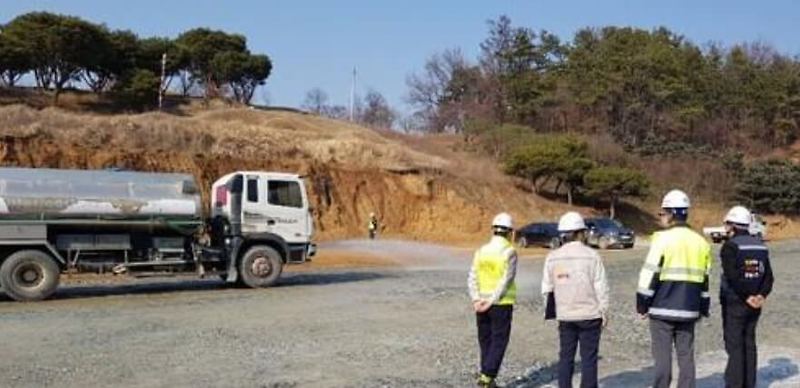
x,y
413,123
316,101
337,112
448,92
427,89
377,112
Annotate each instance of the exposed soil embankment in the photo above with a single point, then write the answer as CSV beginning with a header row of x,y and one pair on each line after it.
x,y
351,171
420,187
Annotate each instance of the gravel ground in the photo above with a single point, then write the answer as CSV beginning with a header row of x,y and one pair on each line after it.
x,y
398,326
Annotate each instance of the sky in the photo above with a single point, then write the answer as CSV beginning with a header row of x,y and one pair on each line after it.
x,y
318,43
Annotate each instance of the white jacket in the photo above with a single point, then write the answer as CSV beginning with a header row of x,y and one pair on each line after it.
x,y
576,276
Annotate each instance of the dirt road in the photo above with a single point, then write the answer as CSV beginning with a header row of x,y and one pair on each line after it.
x,y
407,324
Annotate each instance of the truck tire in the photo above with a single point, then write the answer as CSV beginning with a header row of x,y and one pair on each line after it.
x,y
260,266
555,242
604,243
29,275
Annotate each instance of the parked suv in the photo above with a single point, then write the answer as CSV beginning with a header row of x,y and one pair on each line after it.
x,y
539,234
606,233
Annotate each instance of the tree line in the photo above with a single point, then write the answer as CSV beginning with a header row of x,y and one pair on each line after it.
x,y
644,87
373,111
653,91
60,51
559,161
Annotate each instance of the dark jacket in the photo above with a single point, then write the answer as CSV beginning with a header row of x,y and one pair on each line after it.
x,y
746,269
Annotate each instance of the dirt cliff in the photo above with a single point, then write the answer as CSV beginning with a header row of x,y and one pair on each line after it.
x,y
351,170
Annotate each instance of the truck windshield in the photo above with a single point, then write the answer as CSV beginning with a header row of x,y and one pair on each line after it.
x,y
285,193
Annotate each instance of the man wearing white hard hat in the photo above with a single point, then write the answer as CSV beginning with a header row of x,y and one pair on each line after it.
x,y
673,290
746,282
576,292
493,293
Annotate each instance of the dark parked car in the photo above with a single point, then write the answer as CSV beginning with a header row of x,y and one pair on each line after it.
x,y
539,234
606,233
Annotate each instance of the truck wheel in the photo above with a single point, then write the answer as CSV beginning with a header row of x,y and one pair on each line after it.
x,y
603,243
260,266
555,242
29,275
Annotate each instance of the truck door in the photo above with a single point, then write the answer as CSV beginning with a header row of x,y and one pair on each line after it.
x,y
287,207
255,218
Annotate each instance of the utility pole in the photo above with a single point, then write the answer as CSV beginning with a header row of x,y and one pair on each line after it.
x,y
353,96
163,79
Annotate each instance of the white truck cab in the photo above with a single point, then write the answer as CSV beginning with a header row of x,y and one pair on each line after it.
x,y
272,203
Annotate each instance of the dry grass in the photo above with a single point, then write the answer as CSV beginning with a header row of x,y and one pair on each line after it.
x,y
426,188
232,131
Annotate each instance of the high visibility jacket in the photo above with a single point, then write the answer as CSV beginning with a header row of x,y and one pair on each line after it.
x,y
673,283
494,268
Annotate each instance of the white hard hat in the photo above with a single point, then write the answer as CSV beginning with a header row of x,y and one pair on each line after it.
x,y
503,220
676,199
570,222
738,215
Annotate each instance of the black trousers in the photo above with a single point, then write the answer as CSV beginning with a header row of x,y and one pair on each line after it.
x,y
494,330
739,331
587,334
664,335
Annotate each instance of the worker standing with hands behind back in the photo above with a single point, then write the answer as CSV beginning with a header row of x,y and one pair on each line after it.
x,y
576,291
493,293
673,290
746,282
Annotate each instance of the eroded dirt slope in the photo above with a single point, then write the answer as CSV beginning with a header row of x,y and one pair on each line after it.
x,y
351,170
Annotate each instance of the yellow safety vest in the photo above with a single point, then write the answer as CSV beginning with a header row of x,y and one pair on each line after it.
x,y
686,255
492,264
681,257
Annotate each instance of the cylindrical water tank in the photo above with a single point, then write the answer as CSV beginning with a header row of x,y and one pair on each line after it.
x,y
47,193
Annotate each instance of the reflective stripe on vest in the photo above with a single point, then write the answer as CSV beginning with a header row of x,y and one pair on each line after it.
x,y
672,313
683,272
492,267
753,247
